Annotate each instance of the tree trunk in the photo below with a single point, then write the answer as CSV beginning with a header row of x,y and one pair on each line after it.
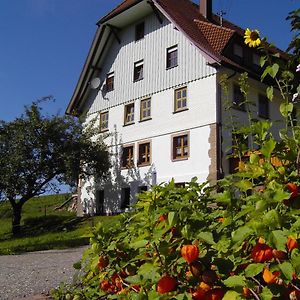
x,y
16,219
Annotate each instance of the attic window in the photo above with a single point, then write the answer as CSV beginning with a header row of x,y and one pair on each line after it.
x,y
172,59
139,31
138,70
110,82
238,50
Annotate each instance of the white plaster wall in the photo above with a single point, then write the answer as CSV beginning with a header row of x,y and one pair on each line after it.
x,y
196,120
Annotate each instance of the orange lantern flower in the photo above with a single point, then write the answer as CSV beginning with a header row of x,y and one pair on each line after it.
x,y
190,252
166,284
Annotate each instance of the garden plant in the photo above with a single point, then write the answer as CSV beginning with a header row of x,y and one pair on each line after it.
x,y
236,239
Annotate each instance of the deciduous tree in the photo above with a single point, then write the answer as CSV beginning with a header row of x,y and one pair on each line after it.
x,y
39,152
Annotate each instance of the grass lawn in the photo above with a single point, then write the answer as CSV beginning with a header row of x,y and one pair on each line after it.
x,y
45,228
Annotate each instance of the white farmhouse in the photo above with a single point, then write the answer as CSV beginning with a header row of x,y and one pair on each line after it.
x,y
151,79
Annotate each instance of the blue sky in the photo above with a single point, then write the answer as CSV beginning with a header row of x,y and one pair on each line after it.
x,y
44,43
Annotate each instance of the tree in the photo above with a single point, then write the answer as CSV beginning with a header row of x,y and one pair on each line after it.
x,y
40,152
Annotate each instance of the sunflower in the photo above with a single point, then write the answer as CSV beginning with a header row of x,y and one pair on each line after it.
x,y
252,38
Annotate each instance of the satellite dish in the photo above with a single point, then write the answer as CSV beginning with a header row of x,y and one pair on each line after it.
x,y
95,83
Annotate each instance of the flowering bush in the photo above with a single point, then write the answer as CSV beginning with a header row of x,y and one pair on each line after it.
x,y
237,239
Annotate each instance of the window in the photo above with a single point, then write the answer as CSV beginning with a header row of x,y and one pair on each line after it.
x,y
139,31
129,114
263,107
104,121
144,154
138,70
238,50
125,198
172,60
127,156
142,188
180,147
238,98
145,109
180,99
110,82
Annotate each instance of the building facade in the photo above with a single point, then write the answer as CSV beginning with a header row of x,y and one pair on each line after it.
x,y
152,83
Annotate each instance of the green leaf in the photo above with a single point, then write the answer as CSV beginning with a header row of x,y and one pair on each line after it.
x,y
295,260
254,269
149,271
274,70
287,270
244,185
268,148
262,60
266,294
235,281
286,109
224,197
206,237
254,158
278,239
231,295
135,279
172,217
271,219
139,244
270,94
241,234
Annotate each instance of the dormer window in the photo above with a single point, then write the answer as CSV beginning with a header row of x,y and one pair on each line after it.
x,y
138,70
110,82
238,50
139,31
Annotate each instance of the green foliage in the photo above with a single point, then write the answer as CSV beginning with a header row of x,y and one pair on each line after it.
x,y
37,153
246,226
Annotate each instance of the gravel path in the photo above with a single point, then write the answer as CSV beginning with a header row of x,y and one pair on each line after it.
x,y
32,275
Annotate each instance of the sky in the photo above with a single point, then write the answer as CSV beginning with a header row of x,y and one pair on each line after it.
x,y
44,43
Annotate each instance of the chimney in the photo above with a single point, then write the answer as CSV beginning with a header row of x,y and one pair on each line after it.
x,y
206,8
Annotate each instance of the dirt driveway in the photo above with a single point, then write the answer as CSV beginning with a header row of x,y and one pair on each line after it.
x,y
32,275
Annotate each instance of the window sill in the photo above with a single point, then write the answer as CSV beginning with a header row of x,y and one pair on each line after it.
x,y
180,110
172,67
146,119
128,124
180,159
144,165
104,130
